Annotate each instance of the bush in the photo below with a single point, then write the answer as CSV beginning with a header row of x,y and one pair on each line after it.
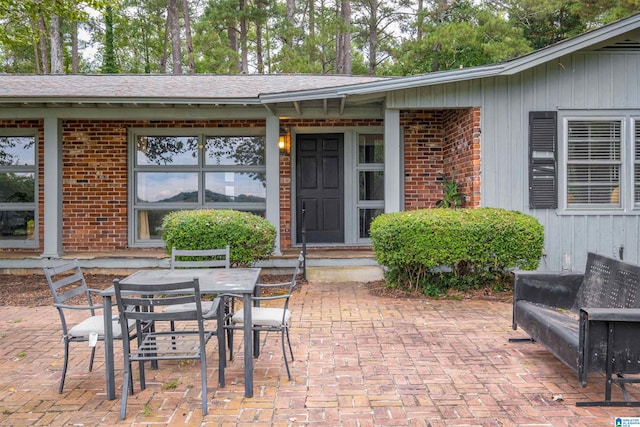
x,y
466,247
249,236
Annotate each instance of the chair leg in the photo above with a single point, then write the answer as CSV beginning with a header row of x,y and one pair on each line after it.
x,y
127,381
289,342
203,374
230,342
143,382
64,365
93,354
284,353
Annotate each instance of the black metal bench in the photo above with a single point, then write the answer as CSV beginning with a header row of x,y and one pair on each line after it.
x,y
589,321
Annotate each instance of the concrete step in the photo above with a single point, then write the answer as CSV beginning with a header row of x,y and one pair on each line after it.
x,y
323,264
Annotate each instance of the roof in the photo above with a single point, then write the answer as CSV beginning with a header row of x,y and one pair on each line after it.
x,y
240,88
246,89
583,41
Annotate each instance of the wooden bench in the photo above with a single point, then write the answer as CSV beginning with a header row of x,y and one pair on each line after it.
x,y
590,321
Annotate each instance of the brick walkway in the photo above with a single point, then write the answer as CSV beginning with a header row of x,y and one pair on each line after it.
x,y
362,360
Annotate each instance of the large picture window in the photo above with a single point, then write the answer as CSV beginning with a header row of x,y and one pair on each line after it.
x,y
192,171
18,191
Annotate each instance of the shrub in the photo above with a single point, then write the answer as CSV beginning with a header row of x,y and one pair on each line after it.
x,y
249,236
473,246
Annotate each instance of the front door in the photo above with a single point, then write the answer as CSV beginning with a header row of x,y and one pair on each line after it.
x,y
320,187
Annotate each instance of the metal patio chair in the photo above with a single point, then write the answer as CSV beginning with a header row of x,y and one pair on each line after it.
x,y
186,343
199,258
71,293
272,318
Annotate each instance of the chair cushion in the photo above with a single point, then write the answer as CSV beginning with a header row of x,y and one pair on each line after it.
x,y
264,316
205,305
96,324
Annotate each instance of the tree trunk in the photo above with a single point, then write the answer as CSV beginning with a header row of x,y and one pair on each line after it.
x,y
56,46
165,48
244,29
291,10
420,20
174,28
44,57
344,40
259,53
187,34
75,61
373,37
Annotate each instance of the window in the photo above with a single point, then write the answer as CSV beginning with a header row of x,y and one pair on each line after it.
x,y
370,170
636,164
18,191
192,171
601,160
594,163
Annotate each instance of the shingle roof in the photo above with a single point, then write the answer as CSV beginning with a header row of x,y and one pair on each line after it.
x,y
241,87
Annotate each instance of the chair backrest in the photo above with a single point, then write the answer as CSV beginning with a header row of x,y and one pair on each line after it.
x,y
66,282
200,258
288,285
296,272
140,301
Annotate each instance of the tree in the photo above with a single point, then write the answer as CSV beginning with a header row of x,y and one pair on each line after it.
x,y
176,44
109,65
469,35
343,50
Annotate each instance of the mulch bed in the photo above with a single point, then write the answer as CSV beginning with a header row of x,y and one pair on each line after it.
x,y
32,290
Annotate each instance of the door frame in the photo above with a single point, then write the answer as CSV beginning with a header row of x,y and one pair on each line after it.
x,y
350,192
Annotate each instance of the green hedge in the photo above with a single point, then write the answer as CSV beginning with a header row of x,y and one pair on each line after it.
x,y
249,236
415,245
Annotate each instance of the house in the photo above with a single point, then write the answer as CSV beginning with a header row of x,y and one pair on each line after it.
x,y
97,160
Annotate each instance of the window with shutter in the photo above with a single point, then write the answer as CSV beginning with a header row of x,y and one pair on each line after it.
x,y
594,163
543,137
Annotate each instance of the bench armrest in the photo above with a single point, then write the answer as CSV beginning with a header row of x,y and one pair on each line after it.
x,y
612,314
555,289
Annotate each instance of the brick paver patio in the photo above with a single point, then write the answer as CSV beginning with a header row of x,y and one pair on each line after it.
x,y
362,360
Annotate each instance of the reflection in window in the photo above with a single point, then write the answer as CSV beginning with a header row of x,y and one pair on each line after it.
x,y
238,187
371,185
166,150
191,172
167,187
235,150
370,149
17,150
366,216
17,191
17,187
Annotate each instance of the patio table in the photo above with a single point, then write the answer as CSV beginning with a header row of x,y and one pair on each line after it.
x,y
212,281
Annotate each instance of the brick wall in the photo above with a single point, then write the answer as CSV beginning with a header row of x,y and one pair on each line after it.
x,y
462,151
95,168
439,142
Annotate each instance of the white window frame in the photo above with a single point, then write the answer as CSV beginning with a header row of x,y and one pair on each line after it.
x,y
626,193
201,168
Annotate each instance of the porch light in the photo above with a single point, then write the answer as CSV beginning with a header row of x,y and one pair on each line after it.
x,y
284,143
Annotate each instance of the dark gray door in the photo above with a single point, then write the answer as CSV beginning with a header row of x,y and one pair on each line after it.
x,y
320,187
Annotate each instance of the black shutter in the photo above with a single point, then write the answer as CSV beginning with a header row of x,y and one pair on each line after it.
x,y
543,148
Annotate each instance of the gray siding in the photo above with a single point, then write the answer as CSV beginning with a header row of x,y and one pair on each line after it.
x,y
603,81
